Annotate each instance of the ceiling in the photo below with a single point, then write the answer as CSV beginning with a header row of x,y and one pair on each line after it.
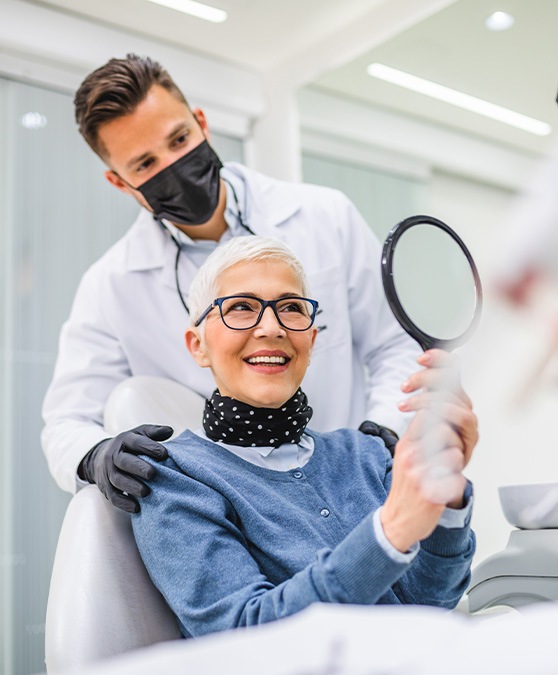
x,y
328,44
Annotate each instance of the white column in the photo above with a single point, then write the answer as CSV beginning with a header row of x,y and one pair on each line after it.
x,y
274,148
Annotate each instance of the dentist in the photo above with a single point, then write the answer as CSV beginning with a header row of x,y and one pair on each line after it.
x,y
129,312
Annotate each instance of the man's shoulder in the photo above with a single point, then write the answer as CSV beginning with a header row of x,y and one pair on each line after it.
x,y
301,210
140,239
260,182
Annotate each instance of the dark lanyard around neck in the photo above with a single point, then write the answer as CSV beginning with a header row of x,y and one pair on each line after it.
x,y
238,210
179,246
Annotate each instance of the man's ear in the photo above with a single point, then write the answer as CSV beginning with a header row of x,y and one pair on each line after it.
x,y
202,121
196,348
114,179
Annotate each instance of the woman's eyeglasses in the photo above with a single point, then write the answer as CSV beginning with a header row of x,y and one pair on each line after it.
x,y
242,312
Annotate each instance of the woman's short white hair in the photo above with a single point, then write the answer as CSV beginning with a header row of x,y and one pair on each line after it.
x,y
203,288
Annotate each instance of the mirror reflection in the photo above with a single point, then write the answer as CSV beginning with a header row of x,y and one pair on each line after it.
x,y
434,281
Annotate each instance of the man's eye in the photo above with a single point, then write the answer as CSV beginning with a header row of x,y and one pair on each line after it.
x,y
180,140
144,165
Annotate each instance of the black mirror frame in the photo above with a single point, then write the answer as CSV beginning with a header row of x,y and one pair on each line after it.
x,y
425,340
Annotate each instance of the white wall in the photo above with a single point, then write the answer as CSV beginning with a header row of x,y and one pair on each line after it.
x,y
42,45
475,210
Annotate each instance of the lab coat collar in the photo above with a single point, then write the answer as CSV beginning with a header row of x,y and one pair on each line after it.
x,y
267,204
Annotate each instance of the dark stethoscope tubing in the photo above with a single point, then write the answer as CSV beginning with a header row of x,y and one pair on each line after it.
x,y
179,245
425,340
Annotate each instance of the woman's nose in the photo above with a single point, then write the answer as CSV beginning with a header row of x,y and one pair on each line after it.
x,y
269,325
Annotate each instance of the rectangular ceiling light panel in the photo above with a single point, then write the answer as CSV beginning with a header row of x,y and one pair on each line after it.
x,y
197,9
459,99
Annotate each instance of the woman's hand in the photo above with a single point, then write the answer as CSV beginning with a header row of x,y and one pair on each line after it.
x,y
431,455
443,396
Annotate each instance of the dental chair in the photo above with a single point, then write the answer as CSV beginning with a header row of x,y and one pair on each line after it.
x,y
101,600
526,571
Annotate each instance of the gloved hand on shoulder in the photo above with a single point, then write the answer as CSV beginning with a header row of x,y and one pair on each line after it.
x,y
113,464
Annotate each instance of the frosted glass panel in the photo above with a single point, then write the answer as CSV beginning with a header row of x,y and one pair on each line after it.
x,y
383,199
58,214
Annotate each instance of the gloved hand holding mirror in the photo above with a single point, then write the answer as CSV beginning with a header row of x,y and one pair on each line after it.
x,y
433,288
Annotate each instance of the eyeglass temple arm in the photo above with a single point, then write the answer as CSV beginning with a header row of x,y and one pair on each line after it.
x,y
205,313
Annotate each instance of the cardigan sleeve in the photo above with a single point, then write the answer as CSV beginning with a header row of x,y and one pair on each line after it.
x,y
440,573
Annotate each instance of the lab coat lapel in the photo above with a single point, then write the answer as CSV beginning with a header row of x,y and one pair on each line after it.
x,y
269,204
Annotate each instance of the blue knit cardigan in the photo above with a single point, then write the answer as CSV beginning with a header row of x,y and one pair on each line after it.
x,y
230,544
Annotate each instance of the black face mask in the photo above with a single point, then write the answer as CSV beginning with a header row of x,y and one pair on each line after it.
x,y
187,191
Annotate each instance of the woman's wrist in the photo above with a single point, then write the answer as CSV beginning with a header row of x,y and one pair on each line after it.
x,y
396,530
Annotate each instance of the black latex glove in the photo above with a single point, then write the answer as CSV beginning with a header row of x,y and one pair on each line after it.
x,y
114,467
388,436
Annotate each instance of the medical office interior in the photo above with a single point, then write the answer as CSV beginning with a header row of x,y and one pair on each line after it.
x,y
287,90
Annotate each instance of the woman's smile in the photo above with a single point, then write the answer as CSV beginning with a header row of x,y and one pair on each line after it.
x,y
268,361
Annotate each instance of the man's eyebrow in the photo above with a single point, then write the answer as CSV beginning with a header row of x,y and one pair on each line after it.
x,y
181,126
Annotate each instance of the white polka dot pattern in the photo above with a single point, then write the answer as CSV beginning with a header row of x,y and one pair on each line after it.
x,y
264,426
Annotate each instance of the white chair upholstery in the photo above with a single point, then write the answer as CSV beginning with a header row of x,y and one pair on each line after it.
x,y
101,599
152,400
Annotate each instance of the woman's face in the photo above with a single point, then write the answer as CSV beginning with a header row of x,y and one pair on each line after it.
x,y
237,358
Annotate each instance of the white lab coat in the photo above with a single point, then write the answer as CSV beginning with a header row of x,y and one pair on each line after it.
x,y
127,319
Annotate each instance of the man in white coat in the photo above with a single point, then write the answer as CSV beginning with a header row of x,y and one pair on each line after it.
x,y
130,310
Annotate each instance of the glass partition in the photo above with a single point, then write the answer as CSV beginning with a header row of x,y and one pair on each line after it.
x,y
58,214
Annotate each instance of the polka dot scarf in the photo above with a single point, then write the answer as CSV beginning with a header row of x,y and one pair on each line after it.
x,y
230,421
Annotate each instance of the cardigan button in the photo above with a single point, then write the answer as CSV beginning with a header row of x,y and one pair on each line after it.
x,y
324,513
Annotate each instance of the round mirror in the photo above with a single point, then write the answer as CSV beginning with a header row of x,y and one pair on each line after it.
x,y
431,282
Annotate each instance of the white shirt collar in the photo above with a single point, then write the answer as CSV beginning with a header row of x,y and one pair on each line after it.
x,y
284,458
233,215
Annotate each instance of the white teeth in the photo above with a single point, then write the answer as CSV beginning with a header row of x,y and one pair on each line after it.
x,y
280,360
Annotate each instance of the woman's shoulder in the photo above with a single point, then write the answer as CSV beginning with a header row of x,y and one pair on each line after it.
x,y
189,446
185,450
351,438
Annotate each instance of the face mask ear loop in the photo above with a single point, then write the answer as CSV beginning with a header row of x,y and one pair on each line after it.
x,y
178,251
240,218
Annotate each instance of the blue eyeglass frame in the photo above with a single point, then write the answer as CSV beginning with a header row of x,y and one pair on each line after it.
x,y
218,302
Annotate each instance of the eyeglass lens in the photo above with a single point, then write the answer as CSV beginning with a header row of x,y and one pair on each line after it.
x,y
293,313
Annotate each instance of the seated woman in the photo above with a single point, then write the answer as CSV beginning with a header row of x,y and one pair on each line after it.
x,y
256,517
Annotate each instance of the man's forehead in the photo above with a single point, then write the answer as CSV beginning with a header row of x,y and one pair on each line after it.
x,y
128,139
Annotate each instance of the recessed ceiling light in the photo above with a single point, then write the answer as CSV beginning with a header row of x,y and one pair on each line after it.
x,y
33,120
459,99
197,9
499,21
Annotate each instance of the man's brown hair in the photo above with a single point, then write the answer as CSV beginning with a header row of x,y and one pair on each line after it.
x,y
114,90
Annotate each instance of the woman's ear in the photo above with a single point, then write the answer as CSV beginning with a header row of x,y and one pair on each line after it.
x,y
196,348
314,335
313,340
